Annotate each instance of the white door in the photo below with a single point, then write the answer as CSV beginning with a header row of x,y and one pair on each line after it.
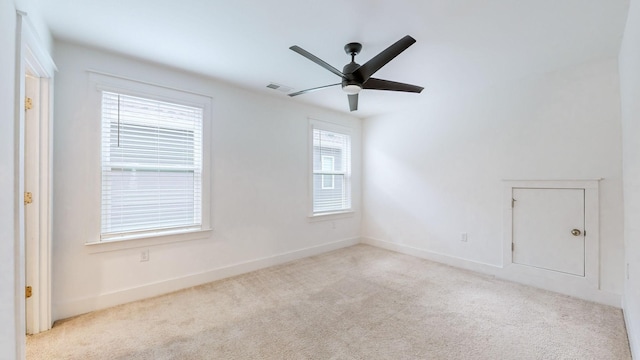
x,y
548,229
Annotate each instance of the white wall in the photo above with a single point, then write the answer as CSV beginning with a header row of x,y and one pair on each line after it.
x,y
259,189
435,171
8,306
630,97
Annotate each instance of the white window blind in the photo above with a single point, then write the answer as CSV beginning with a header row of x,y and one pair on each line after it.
x,y
331,171
151,166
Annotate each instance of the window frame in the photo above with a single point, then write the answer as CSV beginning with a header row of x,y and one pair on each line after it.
x,y
100,83
340,129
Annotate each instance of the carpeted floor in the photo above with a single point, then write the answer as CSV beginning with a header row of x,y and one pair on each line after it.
x,y
356,303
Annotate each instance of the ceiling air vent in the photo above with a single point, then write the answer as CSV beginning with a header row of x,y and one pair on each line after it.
x,y
282,88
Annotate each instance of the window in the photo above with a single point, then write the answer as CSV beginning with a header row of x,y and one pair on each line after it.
x,y
331,168
152,166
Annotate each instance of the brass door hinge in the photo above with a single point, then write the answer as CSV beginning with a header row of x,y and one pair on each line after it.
x,y
28,291
28,198
28,103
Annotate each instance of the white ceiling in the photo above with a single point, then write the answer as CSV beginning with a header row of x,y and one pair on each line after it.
x,y
460,43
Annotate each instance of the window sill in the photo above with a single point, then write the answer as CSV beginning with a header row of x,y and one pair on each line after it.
x,y
331,216
148,240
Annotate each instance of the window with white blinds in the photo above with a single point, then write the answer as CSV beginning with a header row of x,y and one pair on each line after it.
x,y
151,166
331,171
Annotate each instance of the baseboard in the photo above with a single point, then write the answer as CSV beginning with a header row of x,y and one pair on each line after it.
x,y
509,274
434,256
106,300
632,330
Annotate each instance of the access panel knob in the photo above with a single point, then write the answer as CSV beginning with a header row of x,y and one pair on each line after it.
x,y
576,232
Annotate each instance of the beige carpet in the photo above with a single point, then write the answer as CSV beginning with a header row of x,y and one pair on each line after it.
x,y
355,303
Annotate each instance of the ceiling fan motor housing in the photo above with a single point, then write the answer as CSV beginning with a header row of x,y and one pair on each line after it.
x,y
349,77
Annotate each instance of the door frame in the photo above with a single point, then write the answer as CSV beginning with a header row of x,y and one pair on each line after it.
x,y
34,60
549,279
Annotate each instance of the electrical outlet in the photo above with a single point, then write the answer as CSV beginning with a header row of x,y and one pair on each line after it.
x,y
463,237
144,255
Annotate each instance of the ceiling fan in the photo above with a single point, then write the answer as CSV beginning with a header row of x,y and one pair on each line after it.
x,y
356,77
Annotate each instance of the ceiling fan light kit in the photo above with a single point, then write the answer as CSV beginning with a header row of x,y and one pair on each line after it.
x,y
351,89
356,77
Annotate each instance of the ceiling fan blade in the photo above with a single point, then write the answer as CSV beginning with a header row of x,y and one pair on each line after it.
x,y
353,102
315,59
379,84
370,67
311,90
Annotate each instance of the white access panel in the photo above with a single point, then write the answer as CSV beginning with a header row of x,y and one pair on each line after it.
x,y
549,229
